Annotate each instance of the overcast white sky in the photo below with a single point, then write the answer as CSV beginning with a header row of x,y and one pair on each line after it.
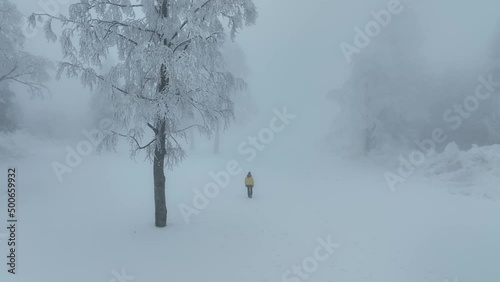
x,y
293,50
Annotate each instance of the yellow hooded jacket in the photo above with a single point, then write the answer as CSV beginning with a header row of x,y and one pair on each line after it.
x,y
249,181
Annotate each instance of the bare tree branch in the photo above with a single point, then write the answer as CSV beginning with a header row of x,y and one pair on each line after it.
x,y
139,147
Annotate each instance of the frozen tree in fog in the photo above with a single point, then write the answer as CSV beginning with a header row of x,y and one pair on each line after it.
x,y
169,69
243,104
382,97
237,65
392,100
16,66
8,110
101,106
491,119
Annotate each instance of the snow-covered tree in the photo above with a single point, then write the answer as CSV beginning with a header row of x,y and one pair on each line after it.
x,y
9,111
384,92
491,109
244,106
16,66
169,69
101,106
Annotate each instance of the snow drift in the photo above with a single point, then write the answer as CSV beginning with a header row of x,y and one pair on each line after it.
x,y
472,172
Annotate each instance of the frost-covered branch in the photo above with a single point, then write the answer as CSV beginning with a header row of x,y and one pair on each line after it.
x,y
155,130
16,65
169,68
139,147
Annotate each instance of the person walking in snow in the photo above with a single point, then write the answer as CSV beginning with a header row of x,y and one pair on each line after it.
x,y
249,183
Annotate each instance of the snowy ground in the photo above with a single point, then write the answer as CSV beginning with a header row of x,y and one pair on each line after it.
x,y
99,222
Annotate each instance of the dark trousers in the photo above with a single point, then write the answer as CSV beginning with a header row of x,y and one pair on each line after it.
x,y
250,191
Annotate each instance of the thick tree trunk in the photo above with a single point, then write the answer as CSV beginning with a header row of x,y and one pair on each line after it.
x,y
159,177
160,150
